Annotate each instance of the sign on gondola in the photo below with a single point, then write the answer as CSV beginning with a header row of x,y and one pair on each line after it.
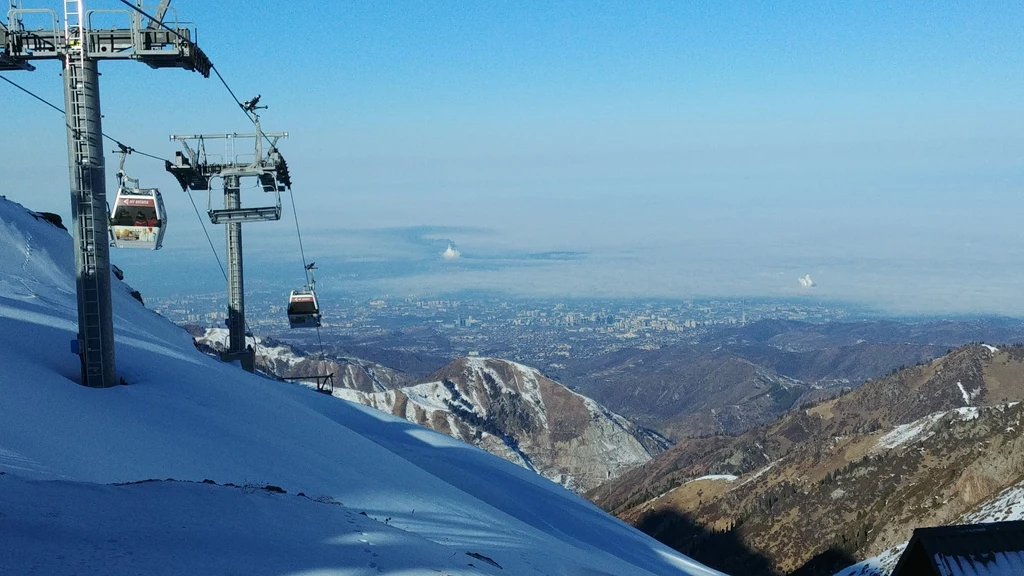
x,y
137,219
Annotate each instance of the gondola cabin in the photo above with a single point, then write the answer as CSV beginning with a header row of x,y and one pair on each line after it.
x,y
303,309
137,219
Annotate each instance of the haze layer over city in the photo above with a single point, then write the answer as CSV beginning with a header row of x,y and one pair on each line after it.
x,y
663,150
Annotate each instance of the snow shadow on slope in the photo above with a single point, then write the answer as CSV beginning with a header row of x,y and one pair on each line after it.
x,y
535,501
719,549
164,527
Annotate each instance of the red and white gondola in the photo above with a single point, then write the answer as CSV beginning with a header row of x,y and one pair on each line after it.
x,y
137,219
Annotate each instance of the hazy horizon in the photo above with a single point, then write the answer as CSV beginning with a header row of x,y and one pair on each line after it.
x,y
579,149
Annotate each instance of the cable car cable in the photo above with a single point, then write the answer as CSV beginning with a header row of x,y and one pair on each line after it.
x,y
27,91
305,268
194,207
208,239
212,65
302,251
61,110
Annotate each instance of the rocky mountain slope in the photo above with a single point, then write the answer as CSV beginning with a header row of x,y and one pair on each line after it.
x,y
731,385
517,413
835,482
286,361
505,408
1004,506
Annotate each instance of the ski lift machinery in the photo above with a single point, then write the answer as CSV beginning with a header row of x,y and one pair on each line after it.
x,y
137,219
195,171
303,307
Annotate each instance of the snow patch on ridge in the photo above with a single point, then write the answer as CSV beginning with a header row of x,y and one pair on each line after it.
x,y
921,429
726,477
968,397
1007,505
880,565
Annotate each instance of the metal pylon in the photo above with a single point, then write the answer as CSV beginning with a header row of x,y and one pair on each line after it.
x,y
195,171
236,282
88,205
157,44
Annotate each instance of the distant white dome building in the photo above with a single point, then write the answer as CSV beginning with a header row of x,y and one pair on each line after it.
x,y
450,253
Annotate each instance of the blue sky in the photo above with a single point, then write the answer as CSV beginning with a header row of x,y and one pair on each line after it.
x,y
685,148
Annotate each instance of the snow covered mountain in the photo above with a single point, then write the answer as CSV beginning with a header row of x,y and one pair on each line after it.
x,y
379,495
282,359
514,411
508,409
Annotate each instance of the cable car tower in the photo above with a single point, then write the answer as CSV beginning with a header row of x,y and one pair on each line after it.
x,y
195,170
80,47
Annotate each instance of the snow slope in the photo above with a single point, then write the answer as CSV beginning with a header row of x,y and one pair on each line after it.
x,y
145,528
189,417
508,409
283,360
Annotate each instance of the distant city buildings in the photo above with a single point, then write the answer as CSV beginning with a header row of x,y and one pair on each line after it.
x,y
540,332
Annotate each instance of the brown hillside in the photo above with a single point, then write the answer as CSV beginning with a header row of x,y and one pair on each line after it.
x,y
820,484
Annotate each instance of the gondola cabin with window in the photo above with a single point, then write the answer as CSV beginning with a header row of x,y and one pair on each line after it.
x,y
137,219
303,309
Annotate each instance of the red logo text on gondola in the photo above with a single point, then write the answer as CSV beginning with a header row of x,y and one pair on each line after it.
x,y
136,202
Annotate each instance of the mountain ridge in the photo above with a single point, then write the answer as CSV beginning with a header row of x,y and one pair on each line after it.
x,y
730,385
849,475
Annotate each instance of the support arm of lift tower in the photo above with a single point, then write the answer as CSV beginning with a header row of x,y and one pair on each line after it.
x,y
80,47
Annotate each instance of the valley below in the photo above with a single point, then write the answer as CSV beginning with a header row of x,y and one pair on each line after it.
x,y
836,482
774,448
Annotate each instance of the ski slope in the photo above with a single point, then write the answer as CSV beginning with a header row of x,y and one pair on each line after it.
x,y
429,500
